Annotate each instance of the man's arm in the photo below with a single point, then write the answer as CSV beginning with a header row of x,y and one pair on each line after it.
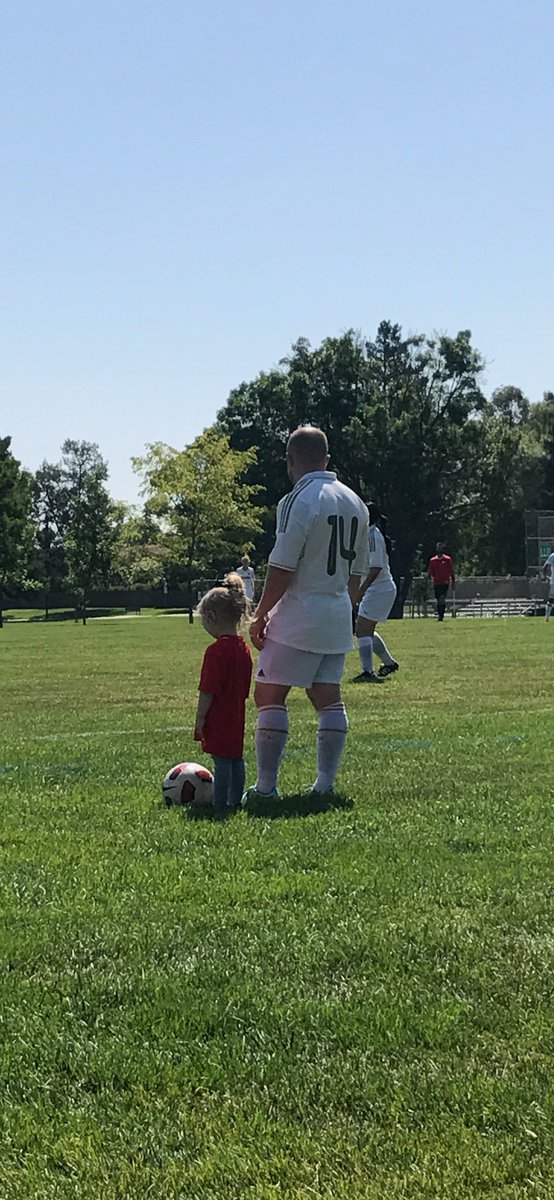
x,y
276,583
353,588
369,579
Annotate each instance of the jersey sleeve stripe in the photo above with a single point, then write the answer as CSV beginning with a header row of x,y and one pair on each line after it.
x,y
289,503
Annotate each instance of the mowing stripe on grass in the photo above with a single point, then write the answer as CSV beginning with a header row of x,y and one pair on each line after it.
x,y
92,733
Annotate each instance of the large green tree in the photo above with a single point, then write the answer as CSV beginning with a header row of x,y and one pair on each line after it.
x,y
51,516
323,386
411,439
206,511
15,525
91,526
399,412
541,424
505,478
140,553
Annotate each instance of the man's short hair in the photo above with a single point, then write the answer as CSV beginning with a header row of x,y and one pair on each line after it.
x,y
308,445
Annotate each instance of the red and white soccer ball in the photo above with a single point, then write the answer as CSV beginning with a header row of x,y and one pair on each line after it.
x,y
188,784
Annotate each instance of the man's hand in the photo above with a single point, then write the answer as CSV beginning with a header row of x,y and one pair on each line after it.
x,y
369,579
276,583
199,729
257,631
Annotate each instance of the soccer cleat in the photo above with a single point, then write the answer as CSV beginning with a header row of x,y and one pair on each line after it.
x,y
252,793
366,677
388,669
314,791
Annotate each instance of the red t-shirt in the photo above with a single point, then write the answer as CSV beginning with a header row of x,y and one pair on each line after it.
x,y
441,568
226,675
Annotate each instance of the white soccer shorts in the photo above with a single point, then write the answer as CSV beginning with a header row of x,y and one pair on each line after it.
x,y
289,667
377,606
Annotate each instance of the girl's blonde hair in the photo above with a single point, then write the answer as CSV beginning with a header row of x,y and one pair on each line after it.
x,y
226,603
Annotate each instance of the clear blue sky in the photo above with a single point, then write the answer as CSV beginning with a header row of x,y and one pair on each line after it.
x,y
187,188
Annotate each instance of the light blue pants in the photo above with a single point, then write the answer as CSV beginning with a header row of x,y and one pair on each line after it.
x,y
229,775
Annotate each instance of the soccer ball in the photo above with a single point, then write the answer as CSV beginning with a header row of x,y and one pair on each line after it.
x,y
188,783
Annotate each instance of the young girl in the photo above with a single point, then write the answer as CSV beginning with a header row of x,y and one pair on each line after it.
x,y
224,686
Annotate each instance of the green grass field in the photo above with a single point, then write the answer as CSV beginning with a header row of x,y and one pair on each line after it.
x,y
347,1004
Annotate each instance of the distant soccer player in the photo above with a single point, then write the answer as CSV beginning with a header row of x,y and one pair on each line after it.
x,y
376,598
303,621
441,571
246,573
548,569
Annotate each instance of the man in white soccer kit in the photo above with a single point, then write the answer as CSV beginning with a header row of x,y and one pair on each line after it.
x,y
303,622
246,572
375,600
548,566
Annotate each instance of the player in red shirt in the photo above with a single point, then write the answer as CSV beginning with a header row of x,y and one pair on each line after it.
x,y
441,571
224,686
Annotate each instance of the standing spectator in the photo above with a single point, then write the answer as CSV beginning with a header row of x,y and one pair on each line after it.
x,y
246,572
441,571
548,568
223,689
303,621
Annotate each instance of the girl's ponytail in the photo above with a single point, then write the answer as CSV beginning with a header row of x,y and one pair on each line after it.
x,y
227,602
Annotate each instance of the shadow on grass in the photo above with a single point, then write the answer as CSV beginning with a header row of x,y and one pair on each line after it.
x,y
69,615
198,812
465,846
293,805
296,805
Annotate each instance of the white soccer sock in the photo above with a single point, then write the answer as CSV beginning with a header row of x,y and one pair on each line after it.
x,y
272,731
548,610
365,646
331,736
382,650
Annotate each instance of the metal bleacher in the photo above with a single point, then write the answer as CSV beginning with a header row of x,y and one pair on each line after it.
x,y
482,596
495,607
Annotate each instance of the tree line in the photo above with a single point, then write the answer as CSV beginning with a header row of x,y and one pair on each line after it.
x,y
409,427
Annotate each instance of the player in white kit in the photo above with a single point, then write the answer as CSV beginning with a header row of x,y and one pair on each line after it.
x,y
246,572
376,598
303,622
548,568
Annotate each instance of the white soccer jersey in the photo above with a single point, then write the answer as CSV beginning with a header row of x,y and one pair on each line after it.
x,y
378,557
322,535
550,563
248,578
